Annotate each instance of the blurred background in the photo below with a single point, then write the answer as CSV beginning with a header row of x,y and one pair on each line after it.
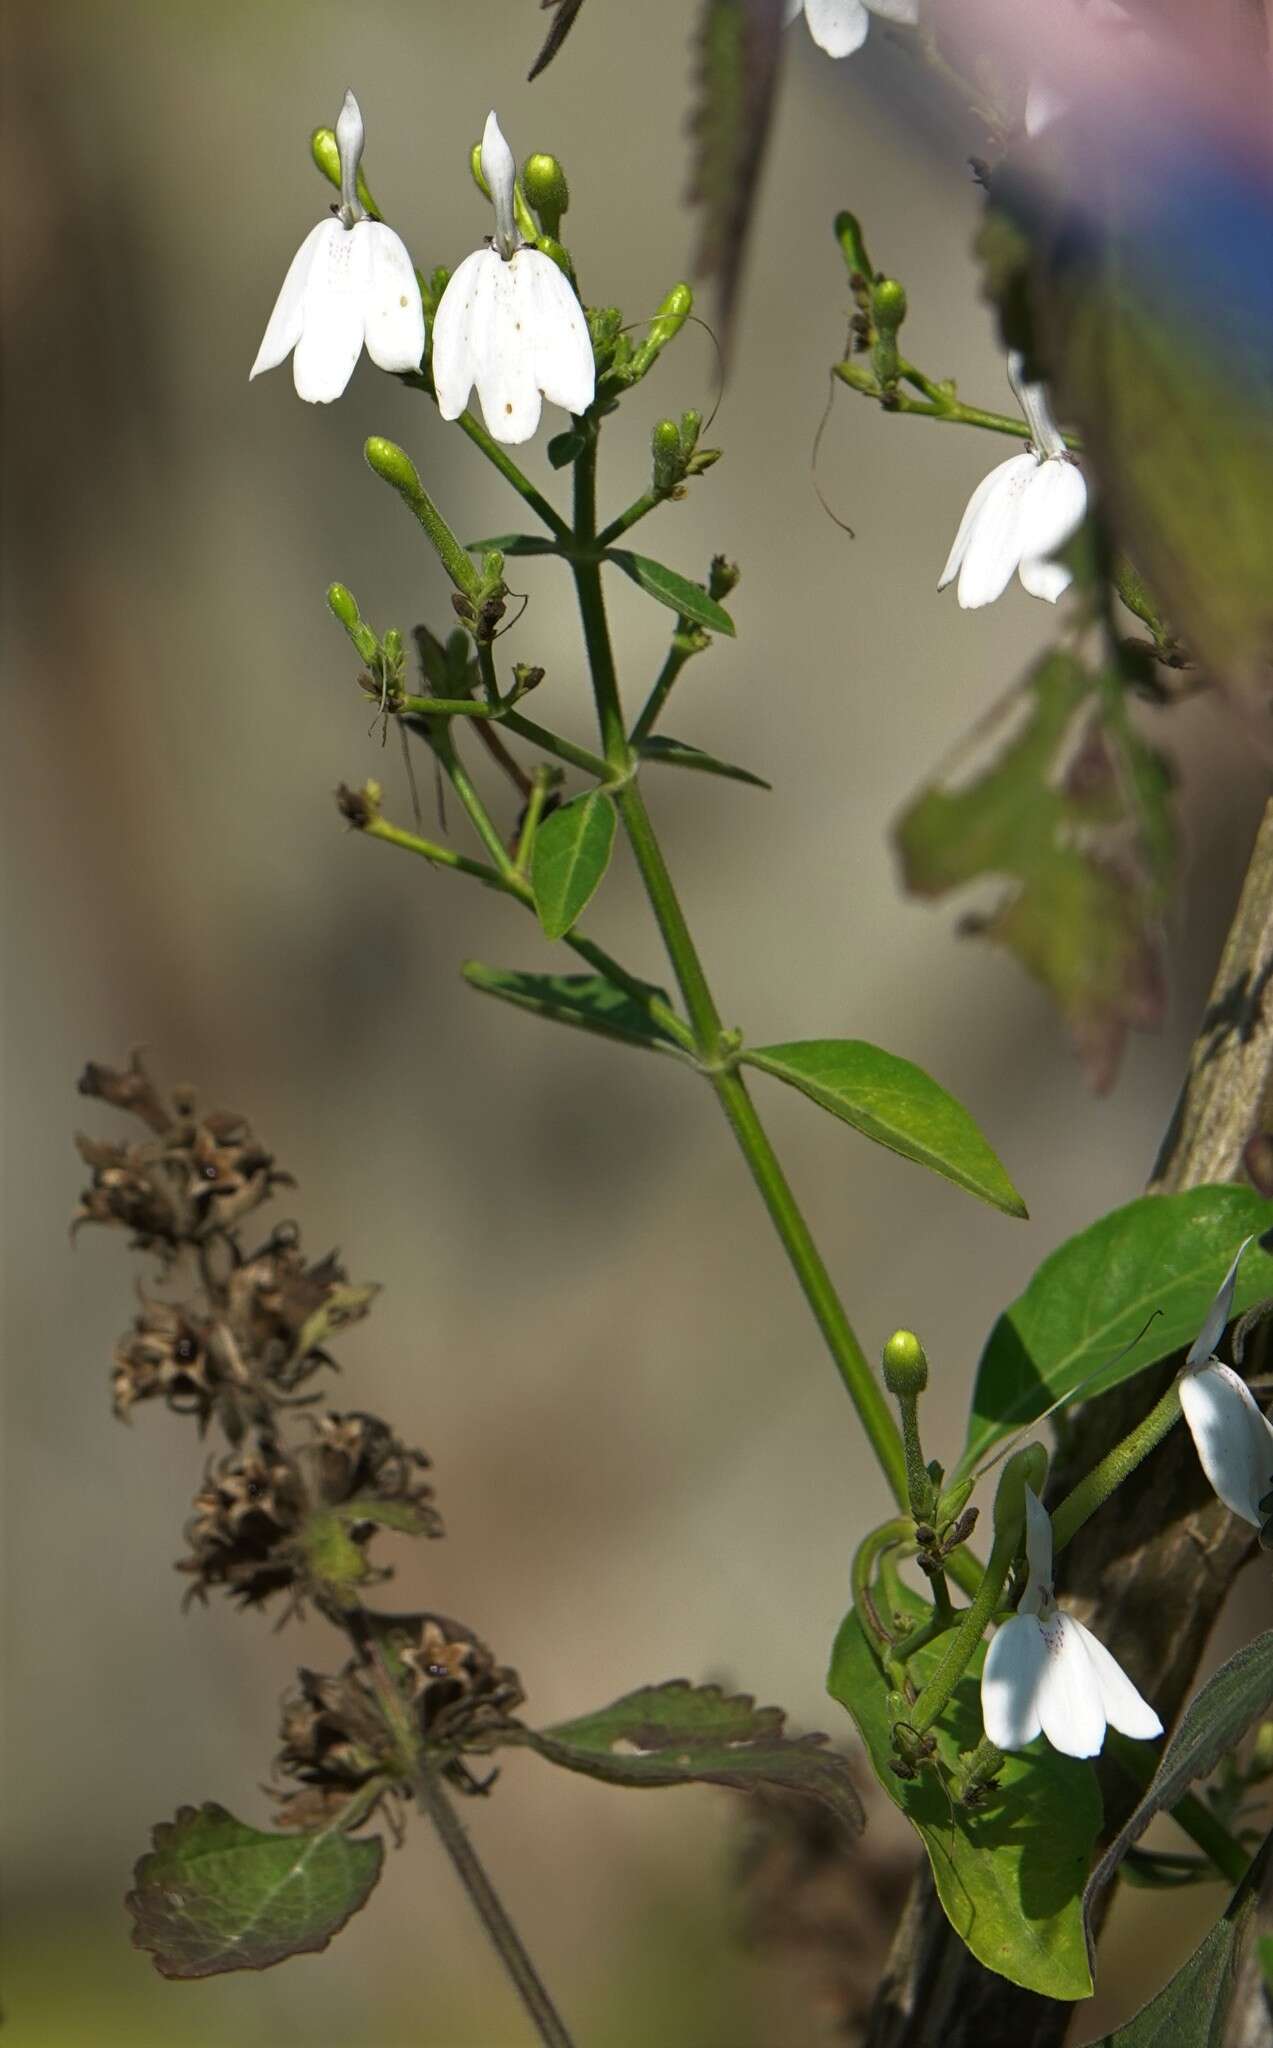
x,y
647,1466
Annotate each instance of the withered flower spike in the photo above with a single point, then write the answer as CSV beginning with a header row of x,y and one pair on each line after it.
x,y
131,1089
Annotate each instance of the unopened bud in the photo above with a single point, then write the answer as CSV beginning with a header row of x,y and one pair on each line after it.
x,y
343,606
393,464
665,326
722,577
669,459
544,183
888,303
905,1364
848,233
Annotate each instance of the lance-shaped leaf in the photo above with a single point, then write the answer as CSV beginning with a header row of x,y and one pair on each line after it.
x,y
739,51
1159,1257
1193,2010
1239,1694
587,1001
683,1734
513,544
563,21
1010,1875
897,1104
689,600
678,754
572,853
1059,800
215,1895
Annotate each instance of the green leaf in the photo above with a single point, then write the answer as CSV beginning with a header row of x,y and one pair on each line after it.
x,y
689,600
215,1895
739,61
1192,2011
513,544
1091,1299
585,1000
678,754
564,449
1010,1875
895,1103
1056,797
563,21
1215,1720
683,1734
572,853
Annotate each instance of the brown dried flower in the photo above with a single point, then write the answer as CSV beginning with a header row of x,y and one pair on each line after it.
x,y
247,1516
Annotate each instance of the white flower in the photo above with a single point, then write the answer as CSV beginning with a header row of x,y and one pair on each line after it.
x,y
351,281
839,26
510,323
1020,514
1234,1439
1046,1674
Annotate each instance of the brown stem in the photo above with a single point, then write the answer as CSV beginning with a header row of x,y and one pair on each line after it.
x,y
1156,1571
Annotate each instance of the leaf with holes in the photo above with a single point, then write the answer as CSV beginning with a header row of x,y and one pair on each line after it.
x,y
689,600
572,853
1159,1257
683,1734
678,754
895,1103
215,1895
588,1001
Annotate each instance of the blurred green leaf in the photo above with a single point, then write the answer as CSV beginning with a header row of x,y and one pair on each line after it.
x,y
215,1895
572,853
739,53
513,544
897,1104
563,21
1072,812
1162,1256
564,449
587,1001
1010,1875
682,1734
678,754
690,600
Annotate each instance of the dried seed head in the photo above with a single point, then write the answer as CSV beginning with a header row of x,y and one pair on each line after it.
x,y
167,1355
334,1740
460,1692
244,1529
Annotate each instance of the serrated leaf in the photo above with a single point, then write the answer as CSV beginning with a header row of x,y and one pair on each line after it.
x,y
678,754
689,600
1093,1297
1009,1876
683,1734
513,544
1072,813
739,51
563,21
572,853
1215,1720
897,1104
216,1895
587,1001
1193,2010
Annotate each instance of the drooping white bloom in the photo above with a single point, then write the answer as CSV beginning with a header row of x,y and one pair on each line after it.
x,y
510,323
1234,1439
1020,514
839,26
351,281
1046,1674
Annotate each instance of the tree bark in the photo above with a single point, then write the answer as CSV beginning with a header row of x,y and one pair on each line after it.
x,y
1150,1572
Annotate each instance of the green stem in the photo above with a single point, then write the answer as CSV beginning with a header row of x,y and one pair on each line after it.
x,y
656,1009
432,1800
669,916
525,728
868,1553
437,856
677,656
934,407
1096,1487
592,610
637,510
443,707
530,823
973,1624
1140,1762
495,452
396,467
480,817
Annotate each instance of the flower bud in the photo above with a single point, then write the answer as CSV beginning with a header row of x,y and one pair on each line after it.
x,y
544,183
343,606
848,233
665,326
722,577
1027,1467
475,167
669,460
905,1365
888,303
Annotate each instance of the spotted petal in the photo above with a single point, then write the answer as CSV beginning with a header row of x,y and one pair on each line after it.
x,y
394,313
564,368
334,314
1234,1440
462,331
837,26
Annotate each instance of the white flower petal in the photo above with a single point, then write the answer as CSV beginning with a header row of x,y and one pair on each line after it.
x,y
1218,1314
505,375
1052,508
837,26
283,329
1038,1543
993,551
1048,580
997,480
461,330
1233,1439
394,313
334,316
1069,1696
1124,1707
793,8
1010,1680
896,10
561,346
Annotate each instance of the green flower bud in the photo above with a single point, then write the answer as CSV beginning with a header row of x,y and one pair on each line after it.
x,y
343,606
848,233
888,303
1028,1467
905,1365
665,326
669,459
393,464
691,428
475,167
548,247
722,577
953,1503
544,183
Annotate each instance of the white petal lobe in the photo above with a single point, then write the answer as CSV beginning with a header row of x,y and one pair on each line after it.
x,y
461,331
837,26
1123,1705
1069,1696
1052,507
283,329
1233,1439
986,489
334,317
562,347
993,553
394,313
1219,1312
906,11
1010,1679
1048,580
